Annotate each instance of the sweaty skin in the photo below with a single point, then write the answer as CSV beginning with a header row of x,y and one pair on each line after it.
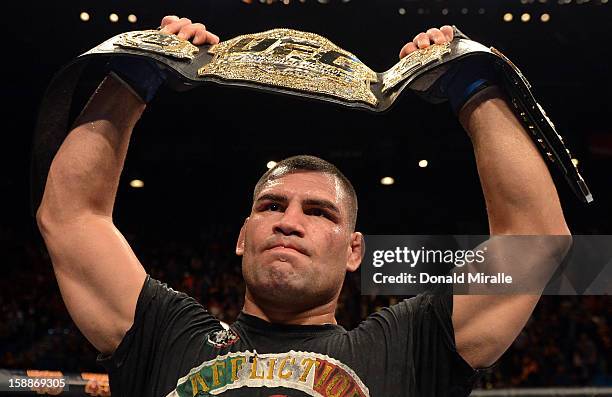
x,y
297,246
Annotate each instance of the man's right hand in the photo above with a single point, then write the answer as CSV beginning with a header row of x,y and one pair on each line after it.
x,y
143,77
187,30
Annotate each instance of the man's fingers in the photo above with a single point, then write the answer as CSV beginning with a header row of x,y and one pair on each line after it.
x,y
187,32
191,30
421,40
176,26
202,36
168,19
212,38
436,36
407,49
184,29
447,30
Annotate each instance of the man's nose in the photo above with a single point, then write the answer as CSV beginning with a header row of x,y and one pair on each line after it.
x,y
290,223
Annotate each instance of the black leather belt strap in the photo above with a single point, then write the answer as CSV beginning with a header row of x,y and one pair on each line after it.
x,y
299,64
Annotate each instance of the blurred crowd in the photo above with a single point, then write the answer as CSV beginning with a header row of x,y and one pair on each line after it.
x,y
566,342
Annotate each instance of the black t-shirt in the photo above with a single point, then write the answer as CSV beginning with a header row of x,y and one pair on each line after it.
x,y
176,348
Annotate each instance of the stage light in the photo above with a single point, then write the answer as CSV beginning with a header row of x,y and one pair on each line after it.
x,y
136,183
271,164
84,16
525,17
423,163
132,18
575,162
481,11
545,17
387,181
445,11
508,17
113,17
402,11
464,11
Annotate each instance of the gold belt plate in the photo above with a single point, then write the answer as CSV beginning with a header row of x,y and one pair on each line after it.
x,y
412,62
293,59
158,43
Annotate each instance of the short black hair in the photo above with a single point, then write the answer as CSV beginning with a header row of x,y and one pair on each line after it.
x,y
306,163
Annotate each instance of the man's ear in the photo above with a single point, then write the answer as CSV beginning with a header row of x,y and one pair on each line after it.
x,y
241,237
356,252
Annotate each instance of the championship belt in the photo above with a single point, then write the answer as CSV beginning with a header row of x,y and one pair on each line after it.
x,y
302,64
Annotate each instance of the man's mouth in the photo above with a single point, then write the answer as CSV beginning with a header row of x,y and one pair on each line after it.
x,y
282,248
287,247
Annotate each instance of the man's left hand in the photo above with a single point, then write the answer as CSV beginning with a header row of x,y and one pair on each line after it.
x,y
425,39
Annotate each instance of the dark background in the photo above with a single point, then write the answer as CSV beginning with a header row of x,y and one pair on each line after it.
x,y
200,153
218,139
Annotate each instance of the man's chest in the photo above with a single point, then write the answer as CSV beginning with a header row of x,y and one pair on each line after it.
x,y
235,366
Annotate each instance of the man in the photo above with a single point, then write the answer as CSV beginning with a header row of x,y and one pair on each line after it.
x,y
296,245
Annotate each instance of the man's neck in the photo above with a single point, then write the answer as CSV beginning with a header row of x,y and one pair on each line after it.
x,y
324,314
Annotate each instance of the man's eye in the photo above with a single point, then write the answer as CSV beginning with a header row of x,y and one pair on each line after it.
x,y
272,207
318,212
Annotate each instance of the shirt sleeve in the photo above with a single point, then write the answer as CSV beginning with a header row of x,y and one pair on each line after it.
x,y
417,347
439,368
163,342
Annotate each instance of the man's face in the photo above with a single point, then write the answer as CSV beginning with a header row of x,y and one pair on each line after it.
x,y
297,243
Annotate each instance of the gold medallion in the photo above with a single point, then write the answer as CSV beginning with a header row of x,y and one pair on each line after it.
x,y
295,60
158,43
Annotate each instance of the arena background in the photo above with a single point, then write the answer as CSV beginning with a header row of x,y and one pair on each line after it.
x,y
199,154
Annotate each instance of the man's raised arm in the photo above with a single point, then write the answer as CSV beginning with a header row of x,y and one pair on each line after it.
x,y
99,276
521,199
